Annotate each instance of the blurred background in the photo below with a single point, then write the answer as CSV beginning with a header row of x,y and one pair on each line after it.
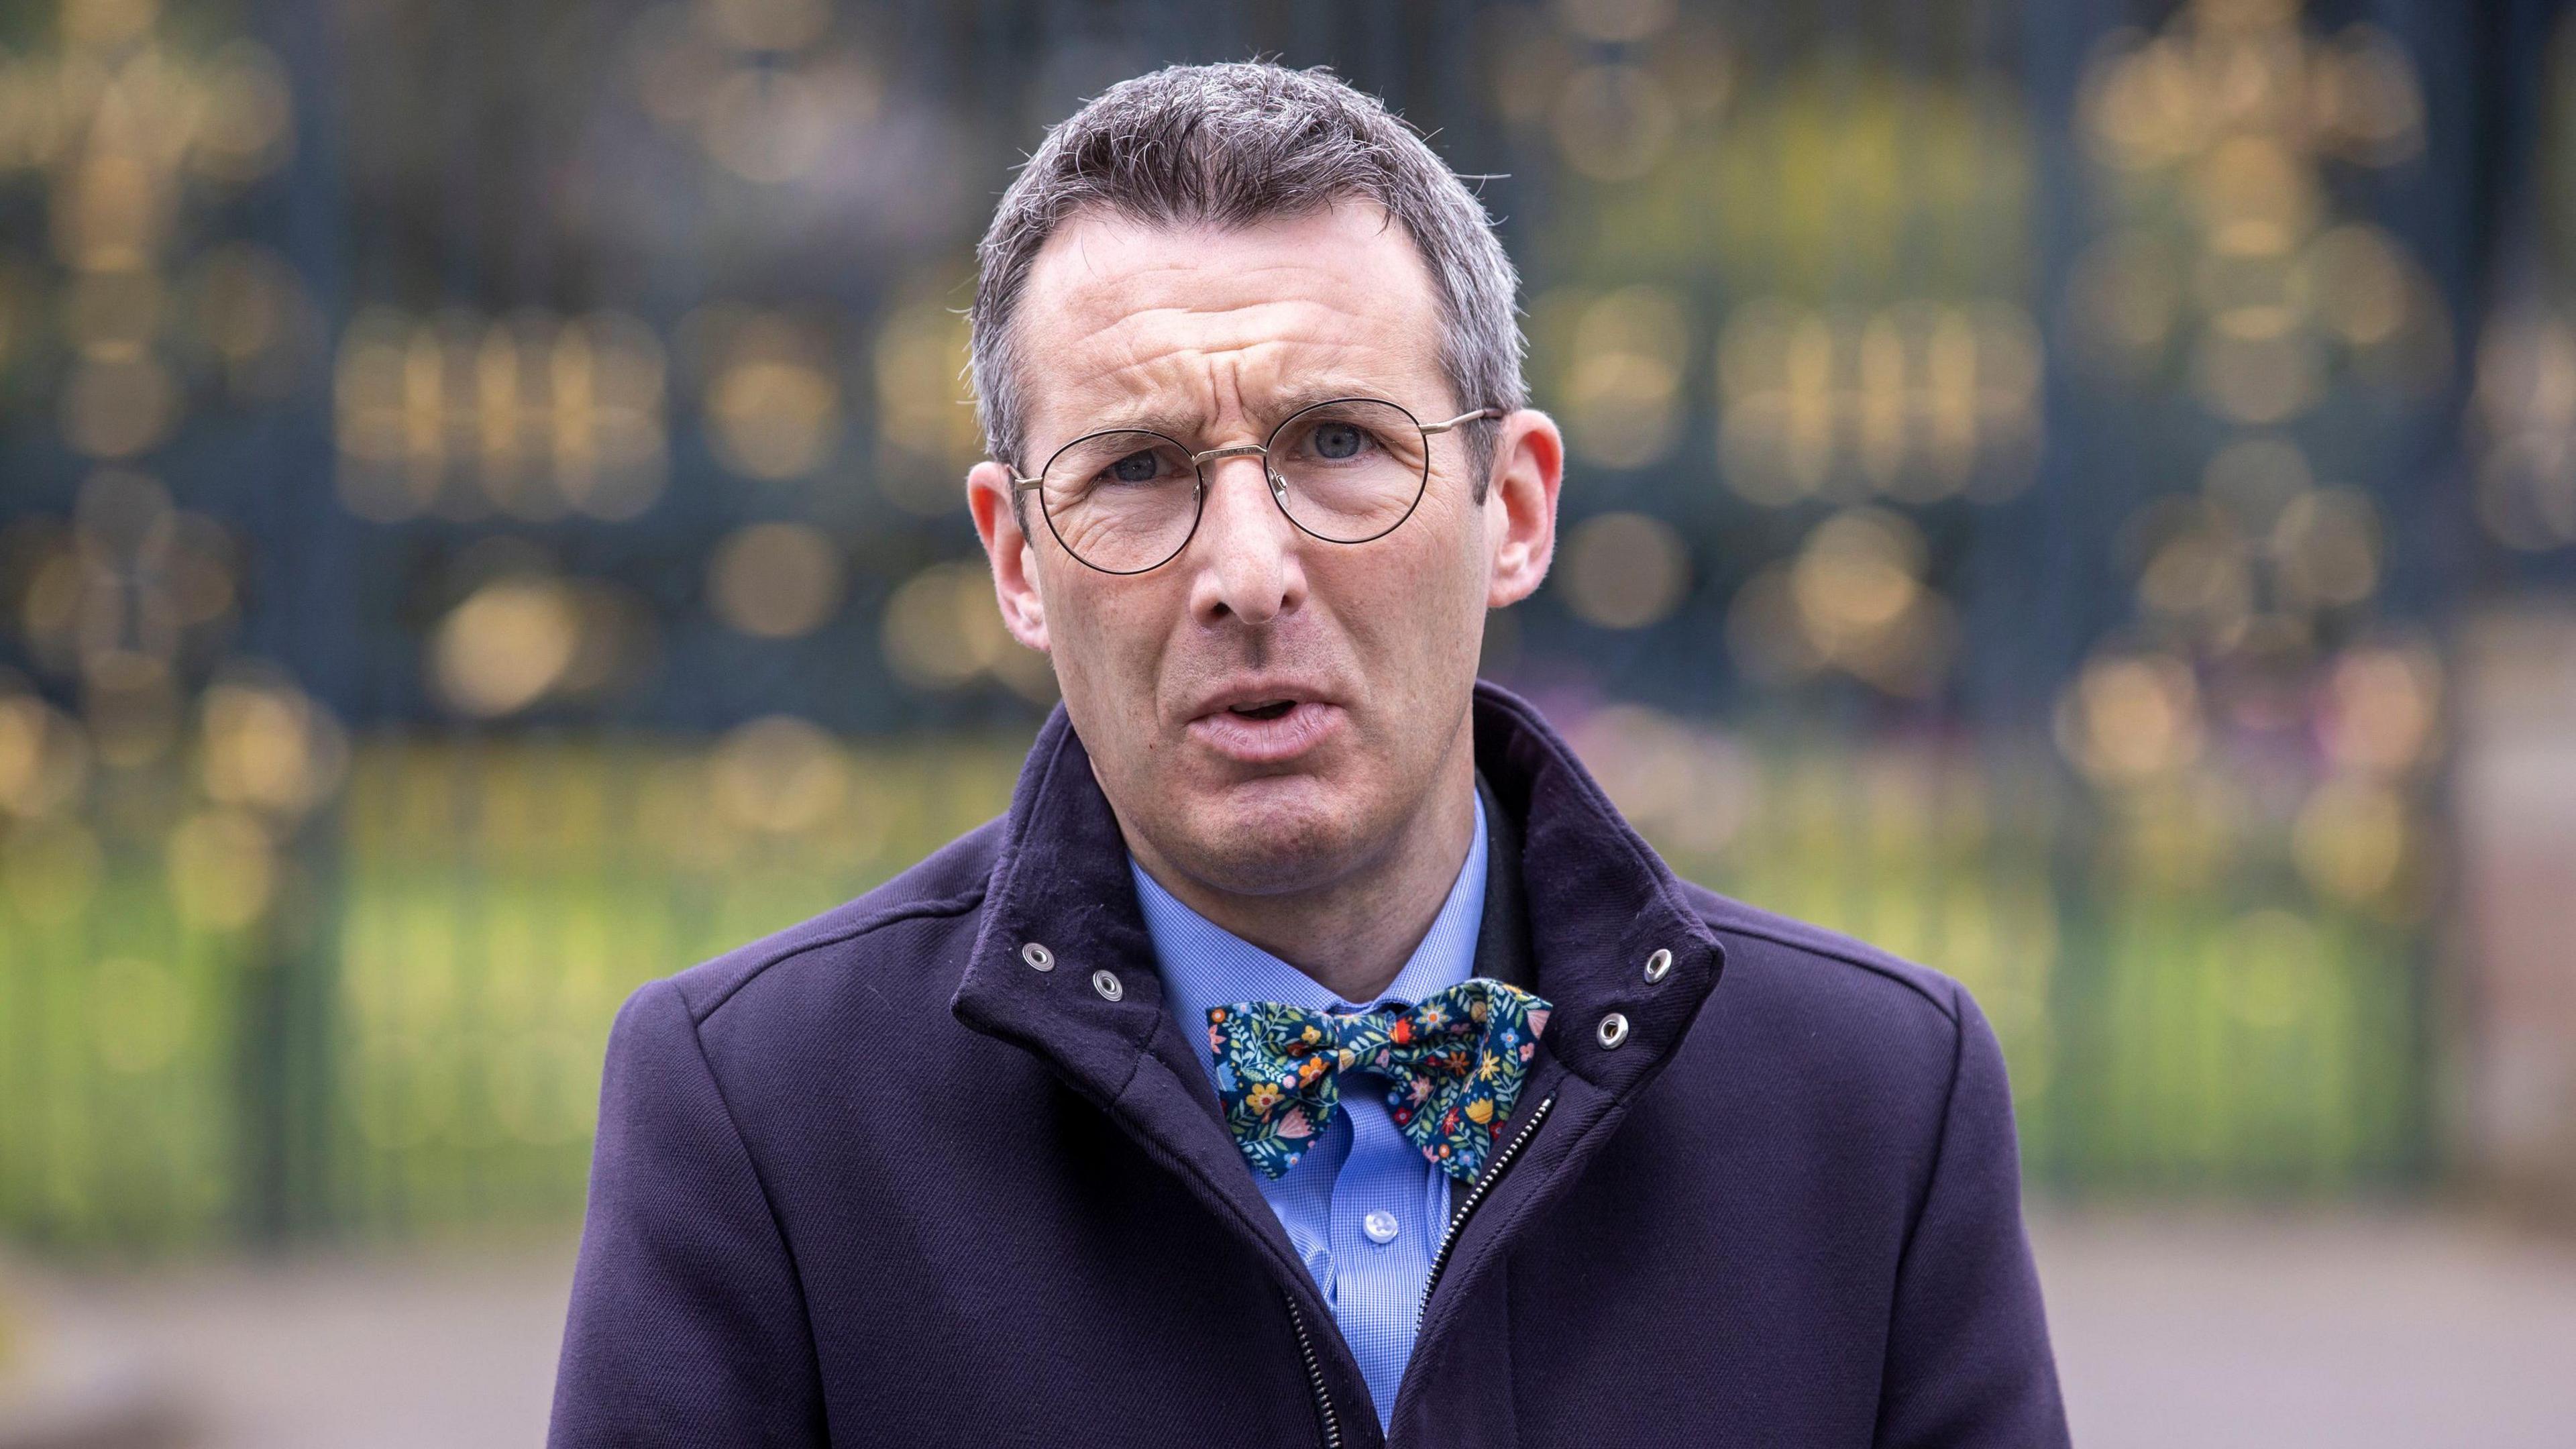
x,y
2081,493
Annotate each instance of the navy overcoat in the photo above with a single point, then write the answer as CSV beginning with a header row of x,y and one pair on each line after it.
x,y
938,1168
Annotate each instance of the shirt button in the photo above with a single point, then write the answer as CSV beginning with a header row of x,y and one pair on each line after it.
x,y
1380,1226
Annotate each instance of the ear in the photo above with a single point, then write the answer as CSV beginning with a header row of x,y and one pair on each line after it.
x,y
1520,504
1015,559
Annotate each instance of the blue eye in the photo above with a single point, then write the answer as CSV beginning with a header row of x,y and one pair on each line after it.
x,y
1337,442
1135,468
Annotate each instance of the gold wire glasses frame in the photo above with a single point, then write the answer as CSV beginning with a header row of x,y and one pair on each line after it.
x,y
1371,492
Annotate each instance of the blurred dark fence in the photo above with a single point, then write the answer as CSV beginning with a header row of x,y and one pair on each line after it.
x,y
480,490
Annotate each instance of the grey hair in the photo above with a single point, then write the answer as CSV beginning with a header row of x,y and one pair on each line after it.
x,y
1232,145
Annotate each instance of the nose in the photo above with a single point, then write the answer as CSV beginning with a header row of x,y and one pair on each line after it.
x,y
1245,553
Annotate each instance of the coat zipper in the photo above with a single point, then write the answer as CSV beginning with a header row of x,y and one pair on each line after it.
x,y
1314,1373
1475,1195
1439,1260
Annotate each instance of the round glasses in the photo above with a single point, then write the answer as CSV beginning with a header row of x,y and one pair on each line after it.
x,y
1345,471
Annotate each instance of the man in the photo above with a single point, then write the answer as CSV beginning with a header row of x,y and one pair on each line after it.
x,y
1312,1055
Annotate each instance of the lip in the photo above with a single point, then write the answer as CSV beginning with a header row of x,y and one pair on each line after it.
x,y
1308,722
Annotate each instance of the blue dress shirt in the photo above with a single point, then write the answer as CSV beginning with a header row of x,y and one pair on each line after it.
x,y
1363,1207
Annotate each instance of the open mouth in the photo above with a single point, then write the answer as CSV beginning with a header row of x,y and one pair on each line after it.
x,y
1266,732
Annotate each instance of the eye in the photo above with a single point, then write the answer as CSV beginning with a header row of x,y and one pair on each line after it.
x,y
1137,467
1338,442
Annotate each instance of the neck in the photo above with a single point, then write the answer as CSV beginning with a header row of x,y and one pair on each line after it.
x,y
1354,932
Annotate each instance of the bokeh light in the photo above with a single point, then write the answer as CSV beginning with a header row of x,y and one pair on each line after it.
x,y
2382,713
775,580
927,432
778,774
757,84
1852,600
44,758
1623,375
1694,787
223,869
265,744
2216,134
532,415
1624,570
506,645
1918,402
2131,719
772,401
942,630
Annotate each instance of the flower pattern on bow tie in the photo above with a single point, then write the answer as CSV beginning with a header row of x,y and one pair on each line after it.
x,y
1456,1060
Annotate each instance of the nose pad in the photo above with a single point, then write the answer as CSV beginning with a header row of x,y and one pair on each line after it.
x,y
1241,538
1212,470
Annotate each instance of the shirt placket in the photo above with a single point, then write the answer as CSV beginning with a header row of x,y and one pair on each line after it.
x,y
1384,1218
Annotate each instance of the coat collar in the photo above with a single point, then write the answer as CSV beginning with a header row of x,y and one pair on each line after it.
x,y
1592,900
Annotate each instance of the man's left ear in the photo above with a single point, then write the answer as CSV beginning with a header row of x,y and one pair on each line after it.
x,y
1520,504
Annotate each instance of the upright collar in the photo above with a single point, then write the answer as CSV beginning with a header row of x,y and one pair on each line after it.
x,y
1599,904
1502,939
1205,965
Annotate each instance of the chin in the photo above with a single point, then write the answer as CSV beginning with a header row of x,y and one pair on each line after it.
x,y
1266,836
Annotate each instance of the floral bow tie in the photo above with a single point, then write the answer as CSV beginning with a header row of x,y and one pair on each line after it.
x,y
1456,1058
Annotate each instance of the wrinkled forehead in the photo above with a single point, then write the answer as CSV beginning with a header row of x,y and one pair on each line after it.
x,y
1199,330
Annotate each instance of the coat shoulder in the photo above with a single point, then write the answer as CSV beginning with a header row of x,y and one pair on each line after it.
x,y
1814,961
1884,1032
947,885
1851,1043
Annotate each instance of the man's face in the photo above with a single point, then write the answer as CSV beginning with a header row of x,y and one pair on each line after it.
x,y
1268,710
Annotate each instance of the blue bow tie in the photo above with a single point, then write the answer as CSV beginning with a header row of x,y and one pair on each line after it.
x,y
1456,1059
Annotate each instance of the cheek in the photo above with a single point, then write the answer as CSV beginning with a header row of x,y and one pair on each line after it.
x,y
1448,564
1105,642
1415,610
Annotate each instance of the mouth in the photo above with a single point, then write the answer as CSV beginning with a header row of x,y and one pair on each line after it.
x,y
1264,725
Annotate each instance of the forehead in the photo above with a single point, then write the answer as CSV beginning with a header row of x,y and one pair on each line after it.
x,y
1128,321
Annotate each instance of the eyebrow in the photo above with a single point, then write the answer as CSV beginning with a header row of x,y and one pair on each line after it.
x,y
1184,426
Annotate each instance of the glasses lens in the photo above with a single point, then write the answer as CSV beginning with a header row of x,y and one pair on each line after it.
x,y
1121,501
1351,470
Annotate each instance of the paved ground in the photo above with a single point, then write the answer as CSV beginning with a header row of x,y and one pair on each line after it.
x,y
2173,1329
2214,1331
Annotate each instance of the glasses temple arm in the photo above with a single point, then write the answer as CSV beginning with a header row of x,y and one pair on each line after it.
x,y
1462,418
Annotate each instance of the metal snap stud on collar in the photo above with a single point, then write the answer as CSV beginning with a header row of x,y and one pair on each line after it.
x,y
1659,965
1614,1030
1106,983
1038,956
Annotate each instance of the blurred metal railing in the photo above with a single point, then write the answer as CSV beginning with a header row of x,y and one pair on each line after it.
x,y
418,1046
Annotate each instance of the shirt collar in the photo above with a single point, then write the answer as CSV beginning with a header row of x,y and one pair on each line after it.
x,y
1203,964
